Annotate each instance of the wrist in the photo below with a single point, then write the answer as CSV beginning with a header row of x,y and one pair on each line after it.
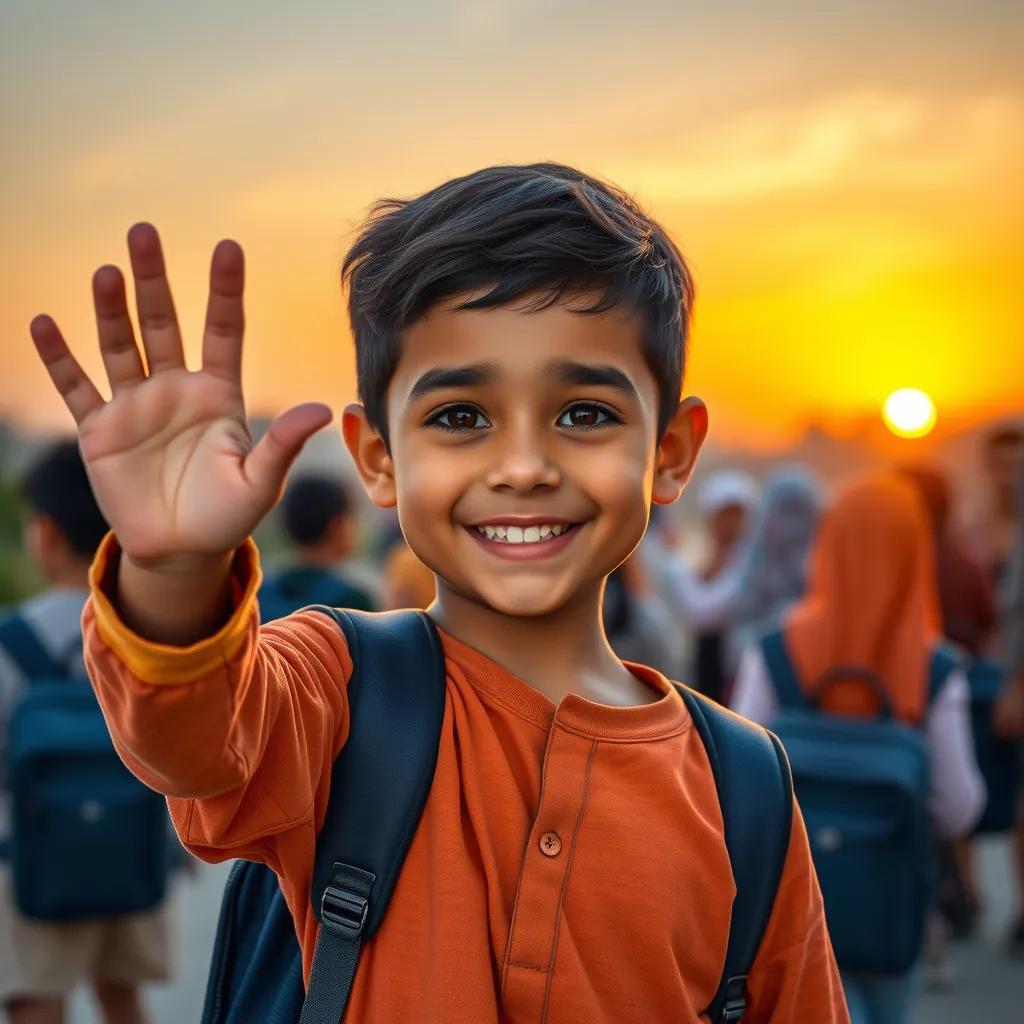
x,y
176,600
179,567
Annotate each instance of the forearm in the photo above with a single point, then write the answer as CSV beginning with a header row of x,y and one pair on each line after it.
x,y
198,721
178,602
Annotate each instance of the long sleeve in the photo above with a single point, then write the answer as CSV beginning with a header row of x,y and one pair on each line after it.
x,y
752,695
239,730
699,603
957,795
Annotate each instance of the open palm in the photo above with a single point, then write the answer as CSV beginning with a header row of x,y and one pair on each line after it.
x,y
170,456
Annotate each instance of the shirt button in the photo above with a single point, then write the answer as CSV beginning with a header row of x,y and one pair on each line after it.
x,y
551,844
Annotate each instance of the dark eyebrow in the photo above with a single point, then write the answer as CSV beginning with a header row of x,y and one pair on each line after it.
x,y
453,377
588,375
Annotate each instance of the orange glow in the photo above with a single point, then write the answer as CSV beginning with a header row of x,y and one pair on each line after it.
x,y
846,229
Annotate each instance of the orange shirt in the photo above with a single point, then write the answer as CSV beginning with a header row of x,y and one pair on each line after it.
x,y
624,917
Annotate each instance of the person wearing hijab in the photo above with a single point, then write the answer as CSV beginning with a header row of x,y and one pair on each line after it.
x,y
784,528
872,603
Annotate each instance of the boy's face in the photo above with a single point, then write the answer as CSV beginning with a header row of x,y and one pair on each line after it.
x,y
540,427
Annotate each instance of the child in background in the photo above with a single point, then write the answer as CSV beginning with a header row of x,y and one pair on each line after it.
x,y
520,340
42,962
318,518
871,604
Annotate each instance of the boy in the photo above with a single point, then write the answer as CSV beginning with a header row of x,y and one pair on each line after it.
x,y
41,962
519,347
319,521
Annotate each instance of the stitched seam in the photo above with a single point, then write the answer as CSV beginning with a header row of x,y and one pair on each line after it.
x,y
490,698
526,966
602,738
522,867
565,884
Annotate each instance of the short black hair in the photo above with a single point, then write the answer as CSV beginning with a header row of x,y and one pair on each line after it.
x,y
311,504
545,230
57,486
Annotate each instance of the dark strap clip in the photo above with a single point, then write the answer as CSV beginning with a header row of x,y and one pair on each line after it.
x,y
735,1000
344,910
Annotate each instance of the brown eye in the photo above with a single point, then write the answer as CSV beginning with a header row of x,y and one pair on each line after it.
x,y
460,418
583,417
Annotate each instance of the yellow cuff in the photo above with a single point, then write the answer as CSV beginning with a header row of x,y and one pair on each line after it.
x,y
164,663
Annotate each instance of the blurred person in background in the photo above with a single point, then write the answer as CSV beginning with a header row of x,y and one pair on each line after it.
x,y
638,625
871,606
967,606
996,532
706,600
993,524
967,599
658,554
42,962
784,527
319,520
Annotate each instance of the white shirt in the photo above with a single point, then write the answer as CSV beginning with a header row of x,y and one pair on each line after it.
x,y
958,792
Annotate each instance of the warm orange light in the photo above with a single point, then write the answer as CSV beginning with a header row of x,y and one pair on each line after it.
x,y
909,413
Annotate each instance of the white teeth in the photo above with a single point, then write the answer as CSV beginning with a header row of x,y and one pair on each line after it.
x,y
523,535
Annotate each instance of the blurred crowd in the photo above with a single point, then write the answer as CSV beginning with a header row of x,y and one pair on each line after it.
x,y
892,600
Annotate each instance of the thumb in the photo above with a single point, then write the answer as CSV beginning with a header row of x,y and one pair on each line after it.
x,y
267,465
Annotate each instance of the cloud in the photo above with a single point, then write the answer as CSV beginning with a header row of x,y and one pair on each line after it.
x,y
862,137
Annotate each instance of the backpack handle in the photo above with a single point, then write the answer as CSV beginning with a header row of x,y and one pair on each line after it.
x,y
845,673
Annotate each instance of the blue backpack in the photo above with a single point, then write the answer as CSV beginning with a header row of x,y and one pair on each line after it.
x,y
88,840
379,785
997,757
862,785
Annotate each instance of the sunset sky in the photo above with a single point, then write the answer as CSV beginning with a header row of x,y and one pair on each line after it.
x,y
845,178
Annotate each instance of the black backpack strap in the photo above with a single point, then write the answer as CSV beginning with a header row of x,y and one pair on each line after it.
x,y
781,672
379,785
755,792
26,650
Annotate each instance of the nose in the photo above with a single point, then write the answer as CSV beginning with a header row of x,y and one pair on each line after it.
x,y
522,463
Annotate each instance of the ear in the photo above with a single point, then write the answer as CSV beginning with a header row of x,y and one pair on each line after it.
x,y
370,455
678,450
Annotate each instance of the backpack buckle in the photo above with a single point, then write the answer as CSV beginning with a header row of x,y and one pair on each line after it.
x,y
735,1000
344,909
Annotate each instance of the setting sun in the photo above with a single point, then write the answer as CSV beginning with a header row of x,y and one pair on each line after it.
x,y
909,413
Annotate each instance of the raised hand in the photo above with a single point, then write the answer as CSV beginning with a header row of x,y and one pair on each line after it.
x,y
170,456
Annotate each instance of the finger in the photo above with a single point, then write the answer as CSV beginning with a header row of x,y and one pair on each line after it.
x,y
79,393
225,319
117,339
158,322
266,466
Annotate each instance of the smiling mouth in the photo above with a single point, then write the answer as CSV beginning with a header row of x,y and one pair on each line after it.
x,y
526,535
